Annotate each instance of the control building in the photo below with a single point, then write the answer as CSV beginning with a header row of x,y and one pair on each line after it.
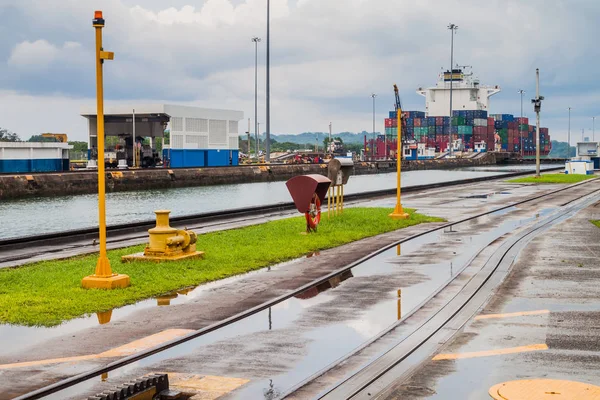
x,y
199,137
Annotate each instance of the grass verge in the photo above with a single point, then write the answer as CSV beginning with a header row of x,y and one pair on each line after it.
x,y
48,293
553,178
596,222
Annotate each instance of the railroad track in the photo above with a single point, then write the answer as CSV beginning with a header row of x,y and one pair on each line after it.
x,y
127,231
392,361
377,378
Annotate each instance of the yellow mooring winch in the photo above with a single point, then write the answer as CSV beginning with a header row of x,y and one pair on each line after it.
x,y
167,243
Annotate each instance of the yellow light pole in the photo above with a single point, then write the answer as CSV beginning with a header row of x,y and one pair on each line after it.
x,y
103,277
398,211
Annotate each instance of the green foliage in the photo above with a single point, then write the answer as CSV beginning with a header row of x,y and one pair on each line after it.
x,y
561,150
596,222
79,146
553,178
40,138
48,293
8,136
158,142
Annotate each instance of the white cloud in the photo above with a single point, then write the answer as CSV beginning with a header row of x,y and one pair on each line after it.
x,y
327,55
41,54
36,54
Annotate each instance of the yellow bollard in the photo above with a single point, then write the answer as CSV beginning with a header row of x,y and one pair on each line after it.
x,y
103,277
167,243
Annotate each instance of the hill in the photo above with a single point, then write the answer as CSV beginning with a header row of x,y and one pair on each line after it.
x,y
311,137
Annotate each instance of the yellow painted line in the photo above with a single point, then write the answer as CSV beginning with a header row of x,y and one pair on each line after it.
x,y
514,314
535,389
487,353
207,387
125,350
48,361
145,343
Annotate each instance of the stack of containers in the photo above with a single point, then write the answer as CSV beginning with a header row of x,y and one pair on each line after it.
x,y
545,144
470,126
480,127
391,125
502,124
523,130
413,125
491,132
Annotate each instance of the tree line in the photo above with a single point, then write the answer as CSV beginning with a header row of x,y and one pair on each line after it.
x,y
9,136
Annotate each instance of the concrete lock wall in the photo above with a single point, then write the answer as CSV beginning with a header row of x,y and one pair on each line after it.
x,y
59,184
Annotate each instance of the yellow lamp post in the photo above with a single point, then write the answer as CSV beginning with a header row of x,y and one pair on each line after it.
x,y
398,211
103,277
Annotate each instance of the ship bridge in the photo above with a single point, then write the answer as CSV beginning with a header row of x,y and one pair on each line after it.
x,y
467,93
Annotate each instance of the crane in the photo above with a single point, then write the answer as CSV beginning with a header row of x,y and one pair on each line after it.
x,y
401,121
398,105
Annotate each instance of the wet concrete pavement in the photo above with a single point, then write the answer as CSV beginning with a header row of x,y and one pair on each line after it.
x,y
369,298
547,312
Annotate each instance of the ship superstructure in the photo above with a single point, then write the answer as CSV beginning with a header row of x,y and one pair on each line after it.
x,y
467,93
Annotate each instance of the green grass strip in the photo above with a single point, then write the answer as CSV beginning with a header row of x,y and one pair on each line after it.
x,y
48,293
596,222
553,178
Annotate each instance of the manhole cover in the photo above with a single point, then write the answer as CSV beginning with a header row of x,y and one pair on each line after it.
x,y
544,389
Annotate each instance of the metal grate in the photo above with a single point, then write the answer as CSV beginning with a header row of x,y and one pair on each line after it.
x,y
234,143
177,124
233,127
218,132
177,142
196,125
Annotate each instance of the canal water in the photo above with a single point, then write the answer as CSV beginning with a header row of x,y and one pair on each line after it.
x,y
56,214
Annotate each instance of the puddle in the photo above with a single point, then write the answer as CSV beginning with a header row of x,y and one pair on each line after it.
x,y
22,337
482,195
279,347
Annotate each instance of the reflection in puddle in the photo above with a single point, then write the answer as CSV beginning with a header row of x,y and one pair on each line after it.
x,y
326,322
104,317
330,284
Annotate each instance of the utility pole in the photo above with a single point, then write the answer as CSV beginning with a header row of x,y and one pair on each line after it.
x,y
453,29
103,277
537,107
255,40
373,95
133,163
326,150
569,151
593,129
520,131
258,141
268,144
248,133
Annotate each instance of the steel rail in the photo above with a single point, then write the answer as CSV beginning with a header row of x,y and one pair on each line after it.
x,y
85,376
59,238
359,386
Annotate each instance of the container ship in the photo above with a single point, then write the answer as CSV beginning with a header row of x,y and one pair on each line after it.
x,y
471,128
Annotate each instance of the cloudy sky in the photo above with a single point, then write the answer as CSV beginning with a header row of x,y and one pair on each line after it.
x,y
327,57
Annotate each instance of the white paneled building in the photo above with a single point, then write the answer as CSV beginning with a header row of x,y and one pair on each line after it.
x,y
200,137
